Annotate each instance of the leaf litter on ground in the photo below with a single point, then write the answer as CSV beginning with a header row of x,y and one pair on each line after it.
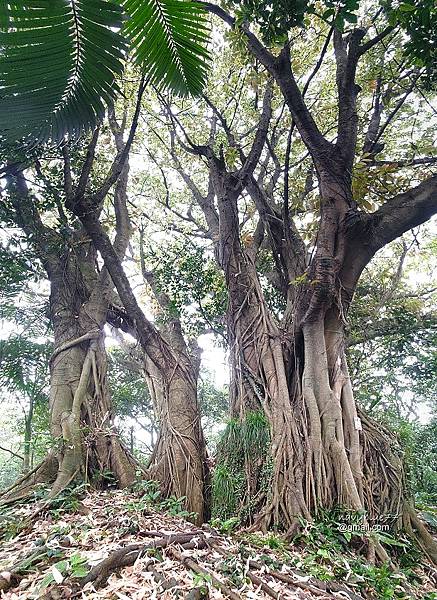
x,y
67,546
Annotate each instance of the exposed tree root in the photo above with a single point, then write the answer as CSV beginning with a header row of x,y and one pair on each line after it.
x,y
417,530
124,557
51,497
194,566
197,539
262,585
44,473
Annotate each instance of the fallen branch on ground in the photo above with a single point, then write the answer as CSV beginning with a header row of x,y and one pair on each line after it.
x,y
124,557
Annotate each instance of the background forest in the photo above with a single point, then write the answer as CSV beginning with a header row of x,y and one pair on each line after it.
x,y
218,282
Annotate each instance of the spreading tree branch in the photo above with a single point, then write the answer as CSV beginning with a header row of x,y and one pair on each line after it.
x,y
281,71
403,212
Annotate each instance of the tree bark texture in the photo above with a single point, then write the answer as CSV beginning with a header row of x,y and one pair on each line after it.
x,y
86,442
325,452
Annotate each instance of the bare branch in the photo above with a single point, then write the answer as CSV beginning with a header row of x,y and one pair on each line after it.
x,y
117,165
396,109
123,225
257,48
388,327
87,165
310,133
29,218
12,452
47,183
375,120
206,203
378,38
280,69
68,179
403,162
388,294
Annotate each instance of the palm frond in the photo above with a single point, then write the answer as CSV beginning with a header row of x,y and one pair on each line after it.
x,y
58,64
59,59
169,39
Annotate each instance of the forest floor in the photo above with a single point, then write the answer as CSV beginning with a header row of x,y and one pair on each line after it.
x,y
114,545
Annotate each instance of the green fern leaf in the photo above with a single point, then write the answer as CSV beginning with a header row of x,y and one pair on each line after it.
x,y
59,60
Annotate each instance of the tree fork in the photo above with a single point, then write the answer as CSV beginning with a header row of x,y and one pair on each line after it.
x,y
169,366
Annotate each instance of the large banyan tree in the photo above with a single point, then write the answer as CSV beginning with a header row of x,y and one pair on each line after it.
x,y
292,365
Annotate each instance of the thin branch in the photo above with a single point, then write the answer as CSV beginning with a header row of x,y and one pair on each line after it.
x,y
87,165
264,56
319,61
396,109
118,164
280,69
388,294
402,162
12,452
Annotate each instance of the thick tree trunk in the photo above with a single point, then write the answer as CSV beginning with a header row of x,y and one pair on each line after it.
x,y
81,415
324,453
178,460
80,406
87,445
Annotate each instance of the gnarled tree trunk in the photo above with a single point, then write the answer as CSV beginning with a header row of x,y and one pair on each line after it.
x,y
178,460
80,409
325,452
86,444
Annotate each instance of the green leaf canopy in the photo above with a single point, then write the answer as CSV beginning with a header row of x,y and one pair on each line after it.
x,y
60,59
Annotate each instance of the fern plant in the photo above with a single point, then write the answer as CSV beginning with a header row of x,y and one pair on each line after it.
x,y
60,59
